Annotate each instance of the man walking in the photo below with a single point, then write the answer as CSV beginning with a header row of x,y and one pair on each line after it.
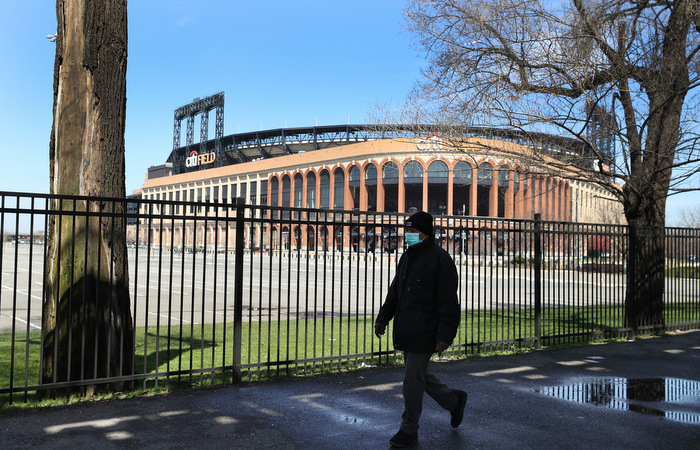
x,y
422,300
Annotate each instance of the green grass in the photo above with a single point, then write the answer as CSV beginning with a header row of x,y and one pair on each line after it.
x,y
683,272
329,342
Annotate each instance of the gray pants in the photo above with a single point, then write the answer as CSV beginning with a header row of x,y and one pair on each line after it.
x,y
416,381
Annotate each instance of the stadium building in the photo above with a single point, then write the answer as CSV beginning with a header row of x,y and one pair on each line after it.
x,y
362,168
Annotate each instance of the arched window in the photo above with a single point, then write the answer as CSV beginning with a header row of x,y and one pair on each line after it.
x,y
503,184
390,182
354,184
339,188
413,172
298,191
325,189
413,186
311,190
274,191
484,180
461,185
438,177
517,195
437,172
286,194
371,186
390,173
310,238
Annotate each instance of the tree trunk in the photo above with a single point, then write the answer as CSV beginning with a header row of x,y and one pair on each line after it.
x,y
644,304
87,329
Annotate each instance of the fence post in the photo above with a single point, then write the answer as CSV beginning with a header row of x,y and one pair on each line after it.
x,y
238,290
538,281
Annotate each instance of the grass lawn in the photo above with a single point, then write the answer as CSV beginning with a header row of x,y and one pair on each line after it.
x,y
202,355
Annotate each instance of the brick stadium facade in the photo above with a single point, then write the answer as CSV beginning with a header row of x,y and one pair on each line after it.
x,y
357,168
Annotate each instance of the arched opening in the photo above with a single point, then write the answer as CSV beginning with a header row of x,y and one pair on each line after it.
x,y
297,237
517,197
413,186
286,194
338,189
311,190
285,238
484,182
438,177
338,236
274,239
324,238
355,238
371,187
298,191
274,195
325,189
390,182
310,238
354,184
461,184
503,183
370,239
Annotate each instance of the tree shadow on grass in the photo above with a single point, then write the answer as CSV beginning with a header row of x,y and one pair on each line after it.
x,y
177,355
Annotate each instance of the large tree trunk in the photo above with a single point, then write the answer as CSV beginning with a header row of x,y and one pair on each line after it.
x,y
646,216
644,305
87,320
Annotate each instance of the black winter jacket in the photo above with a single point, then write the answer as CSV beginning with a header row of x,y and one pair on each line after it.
x,y
422,299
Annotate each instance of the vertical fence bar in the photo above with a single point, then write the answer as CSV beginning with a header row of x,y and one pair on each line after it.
x,y
238,291
538,280
13,335
630,301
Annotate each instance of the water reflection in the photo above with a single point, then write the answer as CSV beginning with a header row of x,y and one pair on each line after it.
x,y
663,397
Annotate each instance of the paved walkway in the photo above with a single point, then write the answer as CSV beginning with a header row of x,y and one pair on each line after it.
x,y
647,394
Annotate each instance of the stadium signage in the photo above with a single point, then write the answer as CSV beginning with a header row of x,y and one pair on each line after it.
x,y
433,142
196,159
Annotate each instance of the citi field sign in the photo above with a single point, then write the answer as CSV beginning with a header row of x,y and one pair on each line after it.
x,y
431,142
196,159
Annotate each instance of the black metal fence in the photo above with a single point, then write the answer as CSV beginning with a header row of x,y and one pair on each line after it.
x,y
229,292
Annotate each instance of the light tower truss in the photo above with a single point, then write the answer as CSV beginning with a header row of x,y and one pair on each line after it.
x,y
200,106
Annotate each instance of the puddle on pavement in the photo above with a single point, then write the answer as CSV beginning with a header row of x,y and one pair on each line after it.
x,y
670,398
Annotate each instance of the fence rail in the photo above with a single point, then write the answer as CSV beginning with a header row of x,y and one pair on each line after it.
x,y
228,292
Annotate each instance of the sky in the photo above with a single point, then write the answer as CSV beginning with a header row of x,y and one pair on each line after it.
x,y
279,63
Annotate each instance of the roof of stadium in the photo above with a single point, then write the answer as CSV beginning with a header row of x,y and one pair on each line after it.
x,y
256,145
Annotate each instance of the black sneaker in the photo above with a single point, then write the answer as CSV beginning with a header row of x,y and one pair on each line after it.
x,y
402,439
458,412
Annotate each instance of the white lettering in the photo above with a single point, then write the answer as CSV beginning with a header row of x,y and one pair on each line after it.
x,y
194,159
431,143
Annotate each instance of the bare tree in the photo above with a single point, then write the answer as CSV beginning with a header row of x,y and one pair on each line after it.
x,y
87,320
616,80
690,218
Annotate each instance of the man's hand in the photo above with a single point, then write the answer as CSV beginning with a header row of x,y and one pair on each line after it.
x,y
441,347
379,329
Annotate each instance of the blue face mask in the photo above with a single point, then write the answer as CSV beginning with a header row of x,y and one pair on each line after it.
x,y
412,239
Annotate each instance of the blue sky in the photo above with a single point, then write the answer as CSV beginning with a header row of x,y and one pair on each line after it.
x,y
280,63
